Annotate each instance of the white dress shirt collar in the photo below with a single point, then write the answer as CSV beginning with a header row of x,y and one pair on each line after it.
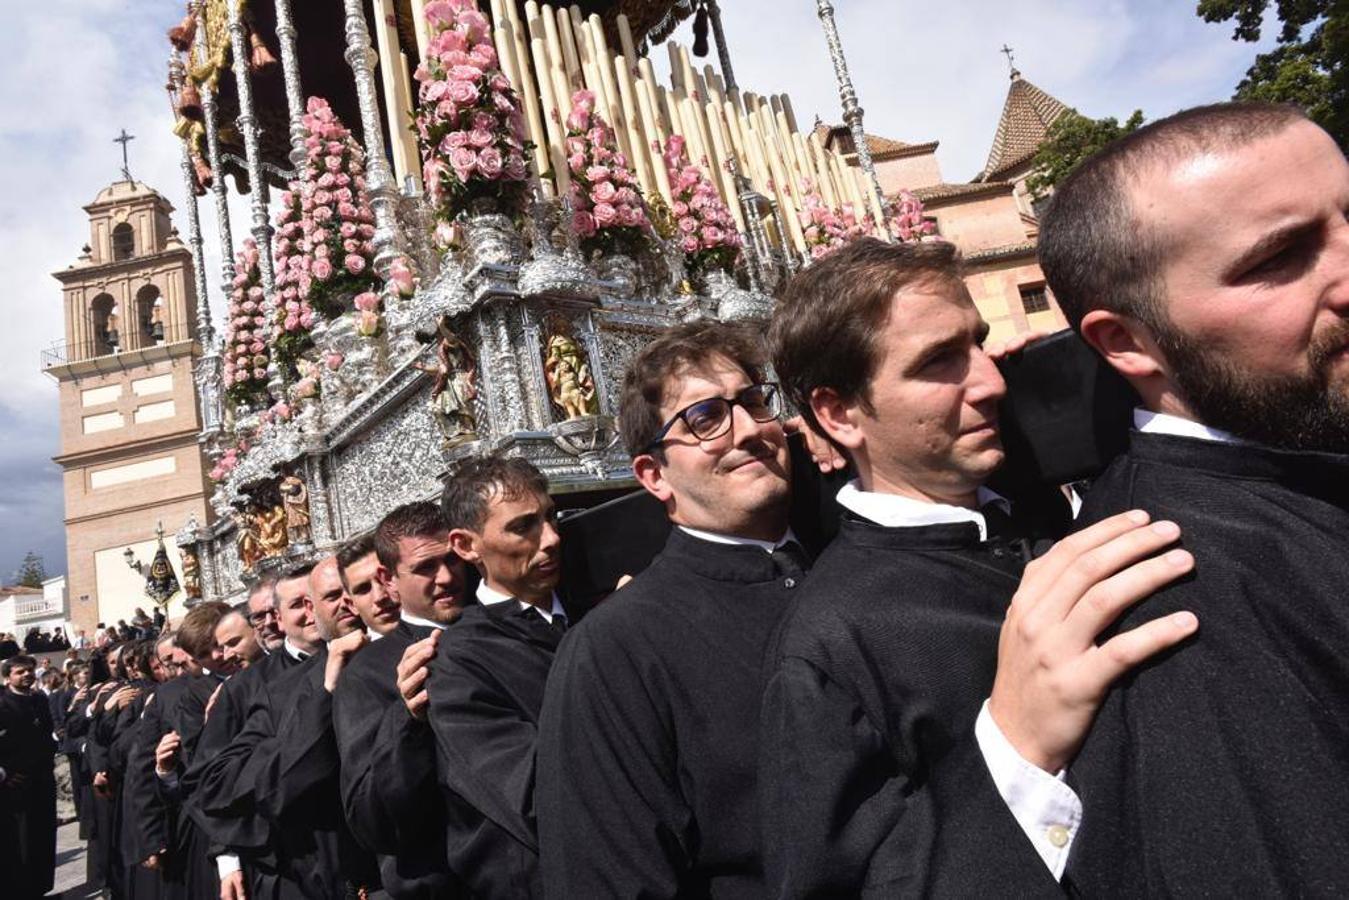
x,y
897,511
1165,423
733,540
295,652
488,596
418,620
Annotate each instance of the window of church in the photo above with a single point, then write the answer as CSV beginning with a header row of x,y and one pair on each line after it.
x,y
123,242
1034,299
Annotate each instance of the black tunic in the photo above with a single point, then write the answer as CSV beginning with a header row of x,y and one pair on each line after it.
x,y
27,810
871,778
273,794
486,689
388,772
190,871
1222,768
648,740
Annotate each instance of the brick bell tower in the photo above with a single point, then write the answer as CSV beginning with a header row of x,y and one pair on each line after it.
x,y
129,412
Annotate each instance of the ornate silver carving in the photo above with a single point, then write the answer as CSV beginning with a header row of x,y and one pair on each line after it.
x,y
492,240
734,303
618,274
378,176
213,157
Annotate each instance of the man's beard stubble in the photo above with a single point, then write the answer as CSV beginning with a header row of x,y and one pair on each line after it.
x,y
1287,412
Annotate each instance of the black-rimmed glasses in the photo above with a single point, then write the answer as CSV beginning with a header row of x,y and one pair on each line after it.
x,y
711,418
256,619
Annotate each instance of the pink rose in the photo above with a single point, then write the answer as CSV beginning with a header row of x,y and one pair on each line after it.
x,y
597,173
578,120
322,269
464,162
462,93
433,91
515,167
466,73
479,137
322,213
484,56
680,209
332,163
439,14
367,302
688,225
584,100
500,83
583,223
605,214
712,234
604,192
689,244
333,361
489,162
292,323
367,324
354,264
577,163
597,136
400,276
347,229
351,245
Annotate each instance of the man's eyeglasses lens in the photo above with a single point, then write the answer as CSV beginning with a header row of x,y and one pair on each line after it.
x,y
711,418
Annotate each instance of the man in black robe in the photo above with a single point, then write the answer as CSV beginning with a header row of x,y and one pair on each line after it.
x,y
273,793
238,640
880,773
185,864
229,708
27,783
487,680
647,742
387,750
1220,769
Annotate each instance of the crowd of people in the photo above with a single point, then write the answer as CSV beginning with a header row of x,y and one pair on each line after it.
x,y
883,674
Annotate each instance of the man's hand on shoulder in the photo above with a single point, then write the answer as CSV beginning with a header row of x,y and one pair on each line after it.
x,y
340,653
1052,677
412,674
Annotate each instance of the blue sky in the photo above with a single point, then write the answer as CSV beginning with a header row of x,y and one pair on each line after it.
x,y
74,72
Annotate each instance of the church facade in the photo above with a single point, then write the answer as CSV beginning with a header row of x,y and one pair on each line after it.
x,y
129,414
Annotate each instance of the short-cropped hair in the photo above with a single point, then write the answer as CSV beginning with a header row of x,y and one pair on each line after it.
x,y
469,491
15,662
825,331
1095,249
651,374
353,551
196,633
420,519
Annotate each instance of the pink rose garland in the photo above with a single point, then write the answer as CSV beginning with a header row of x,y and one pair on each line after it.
x,y
607,211
706,231
246,334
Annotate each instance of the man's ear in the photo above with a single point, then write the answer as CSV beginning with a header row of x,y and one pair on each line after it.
x,y
650,473
385,579
1123,343
837,418
465,545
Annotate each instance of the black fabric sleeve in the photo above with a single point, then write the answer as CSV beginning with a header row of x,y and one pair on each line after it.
x,y
845,814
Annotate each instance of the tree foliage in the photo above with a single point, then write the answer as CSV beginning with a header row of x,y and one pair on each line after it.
x,y
1072,138
31,571
1310,65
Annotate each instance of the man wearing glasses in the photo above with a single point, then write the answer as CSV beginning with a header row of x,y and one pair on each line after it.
x,y
262,614
648,737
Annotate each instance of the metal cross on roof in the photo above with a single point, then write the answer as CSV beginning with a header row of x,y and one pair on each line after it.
x,y
1011,63
124,139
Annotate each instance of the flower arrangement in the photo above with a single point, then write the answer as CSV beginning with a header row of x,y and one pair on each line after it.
x,y
904,218
825,228
246,350
705,230
470,127
607,211
229,460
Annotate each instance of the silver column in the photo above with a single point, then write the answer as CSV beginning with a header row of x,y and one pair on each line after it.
x,y
378,176
262,226
222,209
208,368
290,71
852,112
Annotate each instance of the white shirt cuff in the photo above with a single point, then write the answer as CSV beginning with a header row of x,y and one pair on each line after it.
x,y
1048,811
226,864
169,781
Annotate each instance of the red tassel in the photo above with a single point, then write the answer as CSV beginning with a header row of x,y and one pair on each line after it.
x,y
189,102
261,57
204,176
182,34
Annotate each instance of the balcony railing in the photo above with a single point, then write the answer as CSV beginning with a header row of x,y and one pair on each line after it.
x,y
64,352
28,609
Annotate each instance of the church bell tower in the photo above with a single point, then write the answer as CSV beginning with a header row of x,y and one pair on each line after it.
x,y
129,412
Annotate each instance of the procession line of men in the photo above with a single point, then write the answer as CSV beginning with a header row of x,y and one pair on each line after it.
x,y
1152,705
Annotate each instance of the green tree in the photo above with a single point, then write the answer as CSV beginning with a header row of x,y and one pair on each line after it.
x,y
31,571
1310,65
1072,138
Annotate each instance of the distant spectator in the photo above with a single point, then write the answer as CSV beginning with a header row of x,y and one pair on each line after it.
x,y
72,659
159,620
124,632
102,637
59,639
30,640
81,641
8,646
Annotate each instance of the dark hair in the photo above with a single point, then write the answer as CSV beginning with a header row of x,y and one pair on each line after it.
x,y
826,327
351,552
419,519
687,346
1095,249
266,583
469,491
196,633
14,662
